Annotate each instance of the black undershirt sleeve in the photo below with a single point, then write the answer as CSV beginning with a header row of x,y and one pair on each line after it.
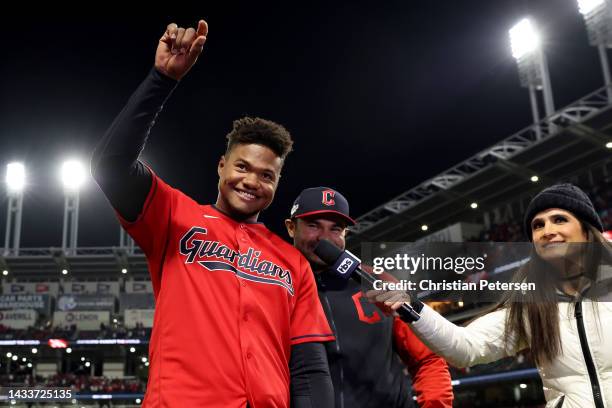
x,y
311,385
114,164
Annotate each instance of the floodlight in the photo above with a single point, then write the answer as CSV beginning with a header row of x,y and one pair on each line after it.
x,y
587,6
73,175
15,177
523,38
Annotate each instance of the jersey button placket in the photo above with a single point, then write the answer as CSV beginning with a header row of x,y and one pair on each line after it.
x,y
243,339
244,243
242,238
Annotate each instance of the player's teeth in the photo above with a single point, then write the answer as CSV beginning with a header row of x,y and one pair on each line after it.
x,y
247,195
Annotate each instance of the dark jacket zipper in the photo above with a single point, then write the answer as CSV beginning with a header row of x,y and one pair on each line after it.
x,y
337,342
588,358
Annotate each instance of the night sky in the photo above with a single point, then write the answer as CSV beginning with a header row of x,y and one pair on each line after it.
x,y
379,96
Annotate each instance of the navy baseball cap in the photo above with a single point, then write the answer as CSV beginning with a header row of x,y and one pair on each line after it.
x,y
321,200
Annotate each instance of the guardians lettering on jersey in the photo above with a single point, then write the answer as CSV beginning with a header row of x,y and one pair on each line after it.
x,y
251,267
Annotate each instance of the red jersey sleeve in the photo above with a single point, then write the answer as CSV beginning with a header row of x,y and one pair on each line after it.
x,y
308,321
429,372
151,229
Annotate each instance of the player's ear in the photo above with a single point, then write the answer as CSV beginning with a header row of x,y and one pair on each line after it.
x,y
290,225
221,165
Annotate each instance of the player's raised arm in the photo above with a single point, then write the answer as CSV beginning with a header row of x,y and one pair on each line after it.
x,y
114,165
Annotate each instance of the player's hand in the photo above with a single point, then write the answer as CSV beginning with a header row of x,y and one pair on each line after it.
x,y
179,48
388,300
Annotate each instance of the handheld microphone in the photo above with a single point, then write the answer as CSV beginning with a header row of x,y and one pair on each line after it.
x,y
346,265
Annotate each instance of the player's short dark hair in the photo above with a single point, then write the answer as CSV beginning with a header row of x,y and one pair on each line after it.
x,y
250,130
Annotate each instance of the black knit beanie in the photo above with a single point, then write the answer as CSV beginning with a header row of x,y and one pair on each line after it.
x,y
567,197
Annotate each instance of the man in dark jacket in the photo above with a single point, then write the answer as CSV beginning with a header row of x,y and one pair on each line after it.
x,y
365,358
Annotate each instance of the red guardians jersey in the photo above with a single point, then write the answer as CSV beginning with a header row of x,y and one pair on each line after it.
x,y
231,299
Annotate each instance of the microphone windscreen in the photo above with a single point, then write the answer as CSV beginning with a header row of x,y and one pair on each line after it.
x,y
328,252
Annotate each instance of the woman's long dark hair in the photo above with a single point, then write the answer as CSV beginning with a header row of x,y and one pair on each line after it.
x,y
533,318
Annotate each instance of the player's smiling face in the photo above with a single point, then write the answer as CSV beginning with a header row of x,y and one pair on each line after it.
x,y
248,177
309,230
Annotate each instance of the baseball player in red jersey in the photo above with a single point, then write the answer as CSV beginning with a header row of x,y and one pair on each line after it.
x,y
237,318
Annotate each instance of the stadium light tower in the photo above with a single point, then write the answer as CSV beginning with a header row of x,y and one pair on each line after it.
x,y
73,177
533,69
15,183
597,16
126,241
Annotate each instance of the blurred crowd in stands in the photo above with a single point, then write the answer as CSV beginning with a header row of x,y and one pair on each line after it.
x,y
513,231
520,361
79,383
45,331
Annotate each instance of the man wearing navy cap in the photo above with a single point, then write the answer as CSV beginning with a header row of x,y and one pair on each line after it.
x,y
363,360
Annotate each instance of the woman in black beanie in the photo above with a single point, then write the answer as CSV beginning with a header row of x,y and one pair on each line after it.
x,y
565,330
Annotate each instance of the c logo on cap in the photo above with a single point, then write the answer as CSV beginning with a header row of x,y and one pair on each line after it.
x,y
328,197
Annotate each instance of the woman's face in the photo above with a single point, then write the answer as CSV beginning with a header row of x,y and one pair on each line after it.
x,y
553,230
